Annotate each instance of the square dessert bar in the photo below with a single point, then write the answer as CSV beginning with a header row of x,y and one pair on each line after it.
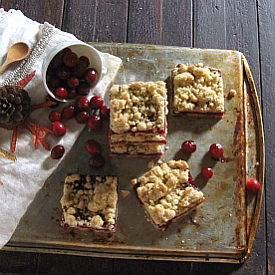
x,y
138,118
90,202
166,193
197,89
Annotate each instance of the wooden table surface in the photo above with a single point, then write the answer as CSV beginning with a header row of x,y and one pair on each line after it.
x,y
247,26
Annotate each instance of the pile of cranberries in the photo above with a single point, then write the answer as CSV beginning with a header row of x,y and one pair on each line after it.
x,y
69,76
84,111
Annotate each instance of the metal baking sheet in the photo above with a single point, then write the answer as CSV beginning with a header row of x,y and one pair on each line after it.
x,y
220,230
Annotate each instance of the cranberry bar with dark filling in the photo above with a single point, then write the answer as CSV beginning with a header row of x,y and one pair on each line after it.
x,y
90,202
197,90
166,193
138,118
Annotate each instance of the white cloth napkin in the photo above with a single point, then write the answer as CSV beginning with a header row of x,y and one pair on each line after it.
x,y
23,178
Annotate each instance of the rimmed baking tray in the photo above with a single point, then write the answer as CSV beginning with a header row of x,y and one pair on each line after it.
x,y
223,229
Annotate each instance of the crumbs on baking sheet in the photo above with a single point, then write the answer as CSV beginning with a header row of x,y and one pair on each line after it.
x,y
231,93
124,193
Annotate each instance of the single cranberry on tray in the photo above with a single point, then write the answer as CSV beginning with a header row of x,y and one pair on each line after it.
x,y
104,111
57,151
82,103
252,185
55,116
93,122
68,112
82,117
207,173
216,151
96,102
58,128
188,146
92,147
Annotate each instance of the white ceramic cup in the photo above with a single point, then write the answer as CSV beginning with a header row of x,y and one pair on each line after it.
x,y
81,49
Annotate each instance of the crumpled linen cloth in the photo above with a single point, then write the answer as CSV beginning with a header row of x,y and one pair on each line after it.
x,y
25,177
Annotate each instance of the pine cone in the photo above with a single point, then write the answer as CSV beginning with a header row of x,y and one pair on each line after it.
x,y
15,105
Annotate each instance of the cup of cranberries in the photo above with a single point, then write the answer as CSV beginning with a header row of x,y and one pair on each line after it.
x,y
72,69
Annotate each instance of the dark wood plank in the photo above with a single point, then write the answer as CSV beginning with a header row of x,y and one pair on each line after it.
x,y
209,24
93,20
41,11
160,22
137,267
266,10
64,264
177,23
144,22
18,262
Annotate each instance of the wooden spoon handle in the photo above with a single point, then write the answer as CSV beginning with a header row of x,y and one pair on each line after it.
x,y
5,66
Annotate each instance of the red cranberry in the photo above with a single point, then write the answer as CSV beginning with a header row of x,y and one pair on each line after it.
x,y
79,69
92,147
216,151
63,73
96,102
56,61
82,117
93,122
58,129
72,82
72,93
68,112
64,51
70,59
53,82
207,172
85,60
83,88
54,116
253,185
61,93
104,111
91,75
57,152
96,161
82,103
188,146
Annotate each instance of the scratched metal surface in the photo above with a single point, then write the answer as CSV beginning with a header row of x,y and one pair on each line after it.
x,y
217,228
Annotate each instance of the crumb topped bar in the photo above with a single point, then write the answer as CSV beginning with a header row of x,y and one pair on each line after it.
x,y
90,202
140,106
166,193
197,89
137,118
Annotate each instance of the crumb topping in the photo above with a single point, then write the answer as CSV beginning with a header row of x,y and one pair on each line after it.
x,y
165,192
90,201
197,88
140,106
